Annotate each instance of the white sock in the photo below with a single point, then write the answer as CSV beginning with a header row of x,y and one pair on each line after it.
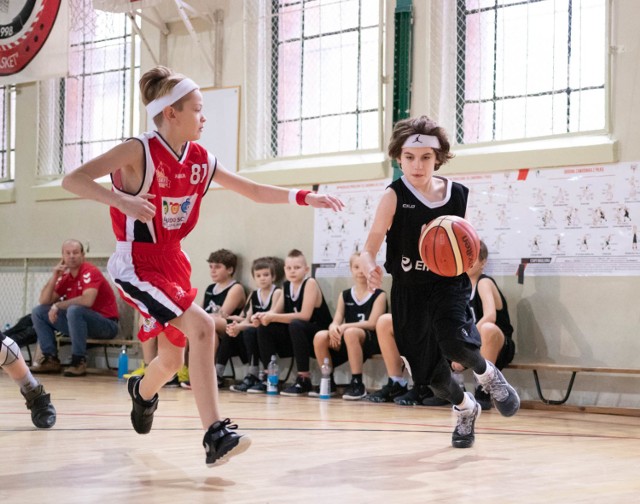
x,y
400,380
467,403
27,383
487,375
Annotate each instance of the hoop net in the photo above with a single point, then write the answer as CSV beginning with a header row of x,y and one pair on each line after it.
x,y
123,5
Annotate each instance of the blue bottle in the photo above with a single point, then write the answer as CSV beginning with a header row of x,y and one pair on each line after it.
x,y
123,363
273,376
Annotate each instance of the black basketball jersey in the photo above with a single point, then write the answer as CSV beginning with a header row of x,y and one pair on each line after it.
x,y
502,316
358,311
321,315
213,300
412,211
258,305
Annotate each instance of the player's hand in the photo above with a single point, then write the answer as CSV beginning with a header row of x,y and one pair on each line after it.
x,y
266,318
334,330
138,207
232,329
374,278
334,341
324,201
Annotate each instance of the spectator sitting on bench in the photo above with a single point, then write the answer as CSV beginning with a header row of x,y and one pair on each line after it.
x,y
77,301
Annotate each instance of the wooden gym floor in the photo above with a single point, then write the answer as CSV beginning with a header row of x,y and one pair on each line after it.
x,y
305,451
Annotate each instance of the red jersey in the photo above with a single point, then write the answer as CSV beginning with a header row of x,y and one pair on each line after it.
x,y
178,184
89,277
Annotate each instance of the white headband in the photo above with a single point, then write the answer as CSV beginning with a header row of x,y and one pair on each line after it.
x,y
421,140
182,88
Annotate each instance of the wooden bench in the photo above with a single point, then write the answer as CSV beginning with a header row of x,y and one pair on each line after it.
x,y
574,369
104,343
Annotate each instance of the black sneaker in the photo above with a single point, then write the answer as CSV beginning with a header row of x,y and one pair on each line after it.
x,y
355,391
387,393
142,411
248,382
504,396
173,382
420,395
258,388
463,435
483,399
43,414
221,443
301,387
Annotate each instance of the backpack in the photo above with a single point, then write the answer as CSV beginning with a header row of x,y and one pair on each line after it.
x,y
23,332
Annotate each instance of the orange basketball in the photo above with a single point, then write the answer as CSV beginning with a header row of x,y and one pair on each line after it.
x,y
449,245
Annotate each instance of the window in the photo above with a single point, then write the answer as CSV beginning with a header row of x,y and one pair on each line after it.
x,y
96,106
528,69
313,72
7,132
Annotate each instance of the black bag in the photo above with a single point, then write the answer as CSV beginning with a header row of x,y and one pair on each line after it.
x,y
23,332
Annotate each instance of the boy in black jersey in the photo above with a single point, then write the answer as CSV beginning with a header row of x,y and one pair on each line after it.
x,y
352,334
431,316
289,327
222,299
260,300
491,315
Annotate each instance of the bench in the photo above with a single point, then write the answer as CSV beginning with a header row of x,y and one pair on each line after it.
x,y
62,339
574,369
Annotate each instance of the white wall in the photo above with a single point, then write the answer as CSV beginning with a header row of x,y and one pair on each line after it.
x,y
581,319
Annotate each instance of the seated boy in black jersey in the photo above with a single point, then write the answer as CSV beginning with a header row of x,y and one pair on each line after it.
x,y
352,334
289,327
244,328
223,298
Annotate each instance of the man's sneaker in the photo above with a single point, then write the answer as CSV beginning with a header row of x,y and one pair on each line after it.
x,y
464,435
483,399
258,388
355,391
221,443
48,364
173,382
504,396
387,393
43,414
142,411
137,372
78,367
420,395
248,382
301,387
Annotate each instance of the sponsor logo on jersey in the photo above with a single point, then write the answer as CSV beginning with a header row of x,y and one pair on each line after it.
x,y
163,180
86,278
407,205
407,265
176,211
180,176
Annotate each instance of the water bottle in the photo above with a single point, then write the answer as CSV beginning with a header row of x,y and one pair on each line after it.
x,y
325,380
273,376
123,363
6,327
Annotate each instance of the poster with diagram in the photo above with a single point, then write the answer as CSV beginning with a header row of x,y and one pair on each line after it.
x,y
337,235
579,220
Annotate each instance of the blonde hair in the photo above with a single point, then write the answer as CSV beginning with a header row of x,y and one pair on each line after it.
x,y
158,82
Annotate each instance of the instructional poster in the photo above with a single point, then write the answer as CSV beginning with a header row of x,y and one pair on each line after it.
x,y
337,235
561,221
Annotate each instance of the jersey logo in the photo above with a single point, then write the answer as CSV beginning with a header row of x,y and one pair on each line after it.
x,y
163,180
407,205
408,266
86,278
176,211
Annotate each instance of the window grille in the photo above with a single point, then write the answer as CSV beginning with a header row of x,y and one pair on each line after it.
x,y
7,132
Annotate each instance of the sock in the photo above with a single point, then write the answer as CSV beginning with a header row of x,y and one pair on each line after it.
x,y
357,377
487,375
467,403
400,380
27,383
220,370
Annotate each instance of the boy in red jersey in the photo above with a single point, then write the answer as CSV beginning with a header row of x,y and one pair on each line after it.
x,y
159,179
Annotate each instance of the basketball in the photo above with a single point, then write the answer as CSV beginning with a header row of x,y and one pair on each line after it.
x,y
449,245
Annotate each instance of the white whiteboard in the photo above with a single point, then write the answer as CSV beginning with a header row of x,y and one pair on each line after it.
x,y
220,135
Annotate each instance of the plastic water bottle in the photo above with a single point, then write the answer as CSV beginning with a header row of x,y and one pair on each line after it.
x,y
325,380
273,376
123,363
6,327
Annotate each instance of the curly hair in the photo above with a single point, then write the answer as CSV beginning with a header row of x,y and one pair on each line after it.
x,y
420,125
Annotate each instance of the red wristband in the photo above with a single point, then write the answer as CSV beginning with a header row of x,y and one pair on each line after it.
x,y
300,197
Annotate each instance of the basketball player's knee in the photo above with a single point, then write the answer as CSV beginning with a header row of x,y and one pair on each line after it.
x,y
352,335
9,351
297,326
490,334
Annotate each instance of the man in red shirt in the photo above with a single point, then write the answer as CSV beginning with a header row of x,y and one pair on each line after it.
x,y
77,301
